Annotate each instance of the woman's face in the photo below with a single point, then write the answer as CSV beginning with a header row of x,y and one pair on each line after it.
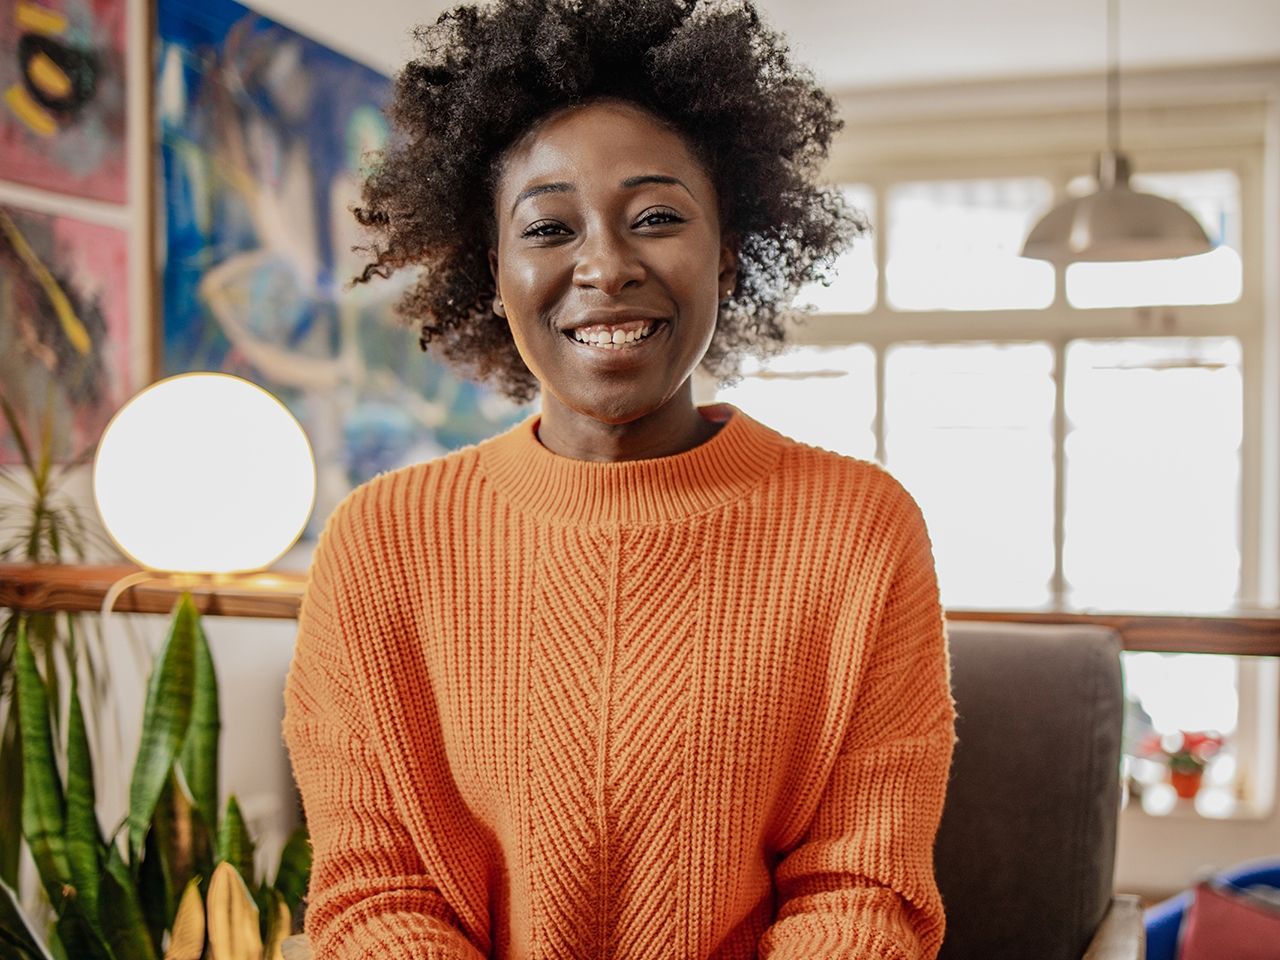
x,y
609,263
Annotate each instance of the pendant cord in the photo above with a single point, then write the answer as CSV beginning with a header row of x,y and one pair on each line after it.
x,y
1113,75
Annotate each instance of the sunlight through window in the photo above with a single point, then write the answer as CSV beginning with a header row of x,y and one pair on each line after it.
x,y
825,396
969,432
1153,473
954,245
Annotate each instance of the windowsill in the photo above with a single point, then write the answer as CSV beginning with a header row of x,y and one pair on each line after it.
x,y
1184,811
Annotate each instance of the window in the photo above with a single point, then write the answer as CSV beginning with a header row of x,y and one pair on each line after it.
x,y
1153,471
953,245
1067,446
969,431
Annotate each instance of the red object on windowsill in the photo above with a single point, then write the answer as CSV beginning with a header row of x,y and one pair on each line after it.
x,y
1186,784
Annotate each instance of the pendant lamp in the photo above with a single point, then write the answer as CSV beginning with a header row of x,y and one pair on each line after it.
x,y
1115,222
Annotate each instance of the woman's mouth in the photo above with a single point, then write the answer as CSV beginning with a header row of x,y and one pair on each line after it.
x,y
614,336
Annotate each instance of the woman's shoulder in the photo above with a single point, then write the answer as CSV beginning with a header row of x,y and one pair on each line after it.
x,y
825,466
838,483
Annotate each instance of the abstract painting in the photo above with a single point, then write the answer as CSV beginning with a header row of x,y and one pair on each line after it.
x,y
64,336
262,136
62,80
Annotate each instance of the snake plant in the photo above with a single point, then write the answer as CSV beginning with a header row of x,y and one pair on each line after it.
x,y
175,880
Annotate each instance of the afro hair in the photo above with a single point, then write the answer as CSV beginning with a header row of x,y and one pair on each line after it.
x,y
709,69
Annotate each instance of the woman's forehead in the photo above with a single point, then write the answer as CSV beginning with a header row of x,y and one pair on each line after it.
x,y
604,141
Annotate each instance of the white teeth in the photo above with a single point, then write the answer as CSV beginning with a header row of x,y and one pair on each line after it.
x,y
615,339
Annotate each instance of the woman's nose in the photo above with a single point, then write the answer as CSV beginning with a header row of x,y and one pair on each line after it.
x,y
607,262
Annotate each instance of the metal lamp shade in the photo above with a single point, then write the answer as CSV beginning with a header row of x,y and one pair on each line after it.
x,y
1116,223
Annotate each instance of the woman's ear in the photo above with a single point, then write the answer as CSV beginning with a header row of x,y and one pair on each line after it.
x,y
498,307
728,277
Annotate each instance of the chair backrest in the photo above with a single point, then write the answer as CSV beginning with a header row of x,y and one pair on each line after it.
x,y
1026,849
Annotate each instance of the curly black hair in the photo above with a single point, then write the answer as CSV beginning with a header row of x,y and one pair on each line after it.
x,y
709,69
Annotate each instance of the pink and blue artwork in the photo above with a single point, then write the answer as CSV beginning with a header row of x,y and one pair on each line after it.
x,y
262,133
64,328
62,96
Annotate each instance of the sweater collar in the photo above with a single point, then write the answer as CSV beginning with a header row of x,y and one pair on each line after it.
x,y
632,491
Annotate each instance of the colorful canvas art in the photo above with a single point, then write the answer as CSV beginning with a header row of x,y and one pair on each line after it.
x,y
62,84
262,133
64,332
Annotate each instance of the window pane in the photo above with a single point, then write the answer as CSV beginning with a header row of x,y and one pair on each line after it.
x,y
954,245
825,396
853,286
969,431
1153,473
1215,277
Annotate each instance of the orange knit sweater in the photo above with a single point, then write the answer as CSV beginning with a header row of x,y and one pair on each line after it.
x,y
689,707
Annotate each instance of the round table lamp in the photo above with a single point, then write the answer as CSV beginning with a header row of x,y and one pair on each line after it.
x,y
204,473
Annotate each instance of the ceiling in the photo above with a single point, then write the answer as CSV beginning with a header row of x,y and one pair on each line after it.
x,y
877,43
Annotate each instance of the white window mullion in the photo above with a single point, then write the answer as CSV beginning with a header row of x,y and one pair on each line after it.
x,y
1058,587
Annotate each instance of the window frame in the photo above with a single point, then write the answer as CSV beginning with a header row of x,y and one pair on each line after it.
x,y
1053,129
921,157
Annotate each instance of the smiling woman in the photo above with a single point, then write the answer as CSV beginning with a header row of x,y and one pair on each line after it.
x,y
636,678
610,278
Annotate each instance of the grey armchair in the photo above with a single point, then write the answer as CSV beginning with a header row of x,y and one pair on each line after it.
x,y
1026,850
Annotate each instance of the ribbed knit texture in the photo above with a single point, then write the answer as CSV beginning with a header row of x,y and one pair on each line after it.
x,y
691,707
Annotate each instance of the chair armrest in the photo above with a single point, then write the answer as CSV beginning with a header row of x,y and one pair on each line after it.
x,y
1121,935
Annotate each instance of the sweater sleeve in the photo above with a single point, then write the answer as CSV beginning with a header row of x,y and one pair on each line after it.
x,y
860,885
370,895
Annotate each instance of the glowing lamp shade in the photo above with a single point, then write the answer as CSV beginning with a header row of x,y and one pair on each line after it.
x,y
204,473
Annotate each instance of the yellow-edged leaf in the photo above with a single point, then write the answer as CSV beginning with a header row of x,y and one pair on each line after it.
x,y
232,917
186,940
280,928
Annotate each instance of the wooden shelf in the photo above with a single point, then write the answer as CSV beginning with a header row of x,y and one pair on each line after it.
x,y
83,588
278,596
1244,633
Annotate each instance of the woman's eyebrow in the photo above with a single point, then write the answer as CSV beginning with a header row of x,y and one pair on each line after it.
x,y
631,182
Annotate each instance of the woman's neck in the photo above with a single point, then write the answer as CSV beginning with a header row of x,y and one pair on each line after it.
x,y
673,428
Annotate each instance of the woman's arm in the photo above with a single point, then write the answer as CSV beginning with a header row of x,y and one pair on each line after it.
x,y
861,883
371,897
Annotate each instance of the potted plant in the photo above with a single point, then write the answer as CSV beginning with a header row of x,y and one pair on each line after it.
x,y
1186,754
173,879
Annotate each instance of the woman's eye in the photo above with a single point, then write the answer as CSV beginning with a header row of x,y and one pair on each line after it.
x,y
544,228
659,218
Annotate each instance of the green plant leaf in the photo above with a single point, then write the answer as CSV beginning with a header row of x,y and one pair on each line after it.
x,y
43,805
165,720
77,935
278,924
83,837
155,890
19,437
15,930
11,795
235,846
46,441
295,868
43,634
199,759
178,848
121,914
